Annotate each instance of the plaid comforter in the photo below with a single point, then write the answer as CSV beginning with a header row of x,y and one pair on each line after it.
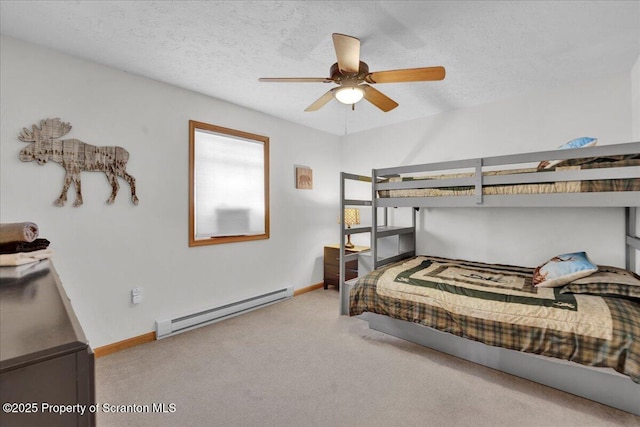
x,y
497,305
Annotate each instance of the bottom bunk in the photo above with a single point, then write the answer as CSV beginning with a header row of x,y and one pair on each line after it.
x,y
582,337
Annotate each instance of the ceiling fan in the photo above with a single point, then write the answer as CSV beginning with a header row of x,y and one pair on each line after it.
x,y
354,79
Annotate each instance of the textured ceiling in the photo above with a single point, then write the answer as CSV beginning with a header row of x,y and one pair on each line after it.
x,y
490,49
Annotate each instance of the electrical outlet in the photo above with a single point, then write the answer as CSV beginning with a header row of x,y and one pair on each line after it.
x,y
136,295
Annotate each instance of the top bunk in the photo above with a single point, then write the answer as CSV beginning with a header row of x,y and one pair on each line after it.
x,y
604,176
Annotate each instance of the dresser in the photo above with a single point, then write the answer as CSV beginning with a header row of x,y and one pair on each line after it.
x,y
46,364
332,264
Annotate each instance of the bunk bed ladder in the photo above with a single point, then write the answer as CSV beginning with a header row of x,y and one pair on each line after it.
x,y
407,234
344,257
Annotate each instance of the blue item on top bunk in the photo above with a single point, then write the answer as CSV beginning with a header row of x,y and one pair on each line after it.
x,y
585,141
579,143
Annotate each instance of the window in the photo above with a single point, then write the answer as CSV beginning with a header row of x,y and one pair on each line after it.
x,y
228,185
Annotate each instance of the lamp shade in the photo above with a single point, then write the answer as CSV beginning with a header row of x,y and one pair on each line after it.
x,y
351,216
349,95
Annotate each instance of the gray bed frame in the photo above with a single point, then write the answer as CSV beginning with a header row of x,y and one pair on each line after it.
x,y
602,385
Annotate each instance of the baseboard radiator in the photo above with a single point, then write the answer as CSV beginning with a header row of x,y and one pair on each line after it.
x,y
168,327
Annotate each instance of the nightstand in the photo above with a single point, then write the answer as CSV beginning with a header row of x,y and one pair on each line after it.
x,y
332,264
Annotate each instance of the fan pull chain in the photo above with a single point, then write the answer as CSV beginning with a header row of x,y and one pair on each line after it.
x,y
345,119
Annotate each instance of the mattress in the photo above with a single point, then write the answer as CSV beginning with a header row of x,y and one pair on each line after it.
x,y
599,185
498,305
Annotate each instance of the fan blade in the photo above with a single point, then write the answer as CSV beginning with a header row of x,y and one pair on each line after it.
x,y
320,102
348,53
296,79
406,75
378,98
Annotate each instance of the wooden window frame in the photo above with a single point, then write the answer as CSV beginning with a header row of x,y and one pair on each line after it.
x,y
195,125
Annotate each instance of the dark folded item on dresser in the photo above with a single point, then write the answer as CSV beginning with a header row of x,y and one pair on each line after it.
x,y
15,247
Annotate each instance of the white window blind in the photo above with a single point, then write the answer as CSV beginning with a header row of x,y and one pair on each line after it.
x,y
229,186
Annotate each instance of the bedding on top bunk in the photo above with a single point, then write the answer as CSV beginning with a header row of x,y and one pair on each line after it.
x,y
629,184
499,306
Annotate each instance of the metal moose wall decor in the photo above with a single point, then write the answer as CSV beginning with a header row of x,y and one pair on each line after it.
x,y
75,156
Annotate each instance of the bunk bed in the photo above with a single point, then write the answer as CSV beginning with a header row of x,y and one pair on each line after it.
x,y
605,176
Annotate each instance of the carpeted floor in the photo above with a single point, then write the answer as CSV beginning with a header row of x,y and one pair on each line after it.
x,y
298,363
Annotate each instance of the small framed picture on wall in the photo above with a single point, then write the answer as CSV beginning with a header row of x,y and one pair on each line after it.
x,y
304,178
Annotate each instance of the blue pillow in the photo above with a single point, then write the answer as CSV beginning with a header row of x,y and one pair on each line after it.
x,y
579,143
562,269
574,143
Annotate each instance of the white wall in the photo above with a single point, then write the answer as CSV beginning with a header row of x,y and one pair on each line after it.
x,y
541,121
103,251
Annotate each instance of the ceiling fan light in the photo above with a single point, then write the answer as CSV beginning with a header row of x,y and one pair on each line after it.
x,y
349,95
